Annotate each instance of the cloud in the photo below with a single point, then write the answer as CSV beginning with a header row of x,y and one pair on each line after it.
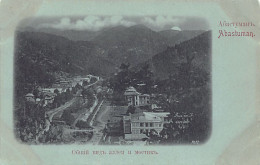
x,y
93,23
176,28
162,21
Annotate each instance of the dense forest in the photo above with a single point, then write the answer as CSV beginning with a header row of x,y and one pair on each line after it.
x,y
185,90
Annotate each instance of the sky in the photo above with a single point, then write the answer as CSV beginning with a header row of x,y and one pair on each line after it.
x,y
96,23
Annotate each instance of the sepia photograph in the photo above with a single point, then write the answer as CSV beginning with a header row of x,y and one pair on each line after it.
x,y
113,80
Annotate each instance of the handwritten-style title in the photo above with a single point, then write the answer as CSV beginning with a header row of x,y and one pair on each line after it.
x,y
235,32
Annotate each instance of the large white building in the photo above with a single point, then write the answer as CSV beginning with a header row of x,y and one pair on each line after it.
x,y
135,98
137,125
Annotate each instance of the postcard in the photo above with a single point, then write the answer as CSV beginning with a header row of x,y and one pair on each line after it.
x,y
129,82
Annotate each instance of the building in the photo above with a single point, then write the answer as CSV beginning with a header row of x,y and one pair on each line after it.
x,y
64,82
51,90
37,100
79,80
48,98
135,98
56,85
75,82
85,79
29,97
155,106
136,126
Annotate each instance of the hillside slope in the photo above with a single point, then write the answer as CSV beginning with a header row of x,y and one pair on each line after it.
x,y
168,61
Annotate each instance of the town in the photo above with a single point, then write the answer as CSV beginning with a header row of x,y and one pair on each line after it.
x,y
123,86
86,110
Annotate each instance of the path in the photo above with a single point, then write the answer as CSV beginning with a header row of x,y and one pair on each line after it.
x,y
52,112
98,129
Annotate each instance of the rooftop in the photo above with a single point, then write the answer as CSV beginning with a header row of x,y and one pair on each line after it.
x,y
131,91
148,116
29,95
144,95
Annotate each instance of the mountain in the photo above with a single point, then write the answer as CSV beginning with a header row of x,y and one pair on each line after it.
x,y
120,44
74,35
39,51
175,37
133,44
39,56
168,61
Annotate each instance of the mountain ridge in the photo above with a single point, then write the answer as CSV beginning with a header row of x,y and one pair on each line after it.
x,y
168,61
54,53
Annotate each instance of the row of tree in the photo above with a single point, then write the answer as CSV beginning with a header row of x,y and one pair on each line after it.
x,y
30,120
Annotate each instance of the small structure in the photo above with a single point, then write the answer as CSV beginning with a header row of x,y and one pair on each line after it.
x,y
49,98
155,106
65,84
135,98
37,100
51,90
85,79
29,97
136,126
79,80
74,83
56,85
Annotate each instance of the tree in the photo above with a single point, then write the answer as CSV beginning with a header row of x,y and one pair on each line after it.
x,y
185,70
145,77
56,91
78,86
122,80
69,119
131,109
169,134
85,83
154,137
36,92
74,91
82,124
68,94
57,100
31,122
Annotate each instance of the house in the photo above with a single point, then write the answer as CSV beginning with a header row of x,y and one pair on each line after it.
x,y
29,97
136,126
37,100
56,85
155,106
65,84
75,82
79,80
49,98
85,79
135,98
51,90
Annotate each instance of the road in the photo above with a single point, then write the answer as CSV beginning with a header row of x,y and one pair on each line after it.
x,y
100,124
52,112
84,115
